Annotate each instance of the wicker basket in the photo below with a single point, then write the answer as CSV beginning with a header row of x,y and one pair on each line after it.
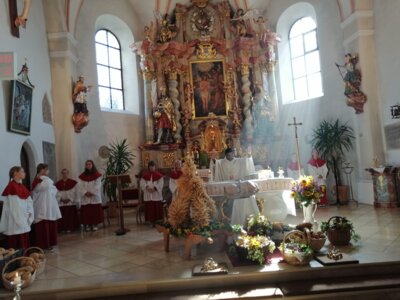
x,y
338,237
297,259
315,244
12,265
41,264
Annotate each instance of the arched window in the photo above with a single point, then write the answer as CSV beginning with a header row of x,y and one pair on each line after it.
x,y
109,70
305,62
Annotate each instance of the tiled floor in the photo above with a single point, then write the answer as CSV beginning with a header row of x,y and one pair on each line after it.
x,y
98,258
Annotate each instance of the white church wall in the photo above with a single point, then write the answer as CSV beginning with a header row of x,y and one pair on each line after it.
x,y
107,126
32,45
387,22
332,104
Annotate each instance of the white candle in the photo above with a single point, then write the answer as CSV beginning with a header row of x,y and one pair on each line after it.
x,y
17,280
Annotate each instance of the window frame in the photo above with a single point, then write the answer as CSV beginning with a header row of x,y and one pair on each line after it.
x,y
110,88
306,75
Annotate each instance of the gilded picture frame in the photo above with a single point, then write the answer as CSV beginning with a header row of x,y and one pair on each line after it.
x,y
207,78
21,108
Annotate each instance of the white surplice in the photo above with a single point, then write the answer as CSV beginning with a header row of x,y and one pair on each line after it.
x,y
70,194
237,169
93,187
156,195
44,201
17,215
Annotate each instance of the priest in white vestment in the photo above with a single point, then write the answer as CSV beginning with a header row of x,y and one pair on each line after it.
x,y
232,169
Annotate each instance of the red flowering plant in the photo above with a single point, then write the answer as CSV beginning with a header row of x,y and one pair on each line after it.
x,y
306,191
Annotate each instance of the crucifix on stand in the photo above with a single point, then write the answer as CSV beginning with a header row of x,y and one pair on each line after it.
x,y
295,124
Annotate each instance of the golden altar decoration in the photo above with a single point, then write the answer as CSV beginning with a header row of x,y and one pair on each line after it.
x,y
208,58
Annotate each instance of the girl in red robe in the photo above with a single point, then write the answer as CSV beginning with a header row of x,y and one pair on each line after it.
x,y
89,193
47,212
17,214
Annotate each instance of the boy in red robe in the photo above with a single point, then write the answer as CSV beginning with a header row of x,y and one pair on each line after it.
x,y
67,200
151,184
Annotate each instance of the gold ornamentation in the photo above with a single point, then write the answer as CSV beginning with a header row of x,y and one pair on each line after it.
x,y
168,159
206,51
200,3
209,265
244,69
173,75
147,75
146,159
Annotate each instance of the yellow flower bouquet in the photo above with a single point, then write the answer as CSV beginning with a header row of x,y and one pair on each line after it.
x,y
306,191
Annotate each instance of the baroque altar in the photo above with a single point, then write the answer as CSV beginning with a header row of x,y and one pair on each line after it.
x,y
209,82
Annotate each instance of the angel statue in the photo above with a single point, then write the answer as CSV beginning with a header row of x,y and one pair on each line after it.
x,y
167,30
239,21
80,118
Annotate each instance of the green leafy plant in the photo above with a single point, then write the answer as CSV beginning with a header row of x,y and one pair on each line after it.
x,y
120,161
341,223
258,225
331,140
191,229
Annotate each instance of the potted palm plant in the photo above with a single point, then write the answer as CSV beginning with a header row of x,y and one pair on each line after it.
x,y
120,161
332,140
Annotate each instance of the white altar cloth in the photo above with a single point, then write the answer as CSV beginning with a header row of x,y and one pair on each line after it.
x,y
276,194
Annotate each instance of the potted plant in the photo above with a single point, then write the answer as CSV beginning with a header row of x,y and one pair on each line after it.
x,y
339,231
120,161
331,140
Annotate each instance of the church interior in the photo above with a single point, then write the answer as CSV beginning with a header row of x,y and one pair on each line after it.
x,y
288,87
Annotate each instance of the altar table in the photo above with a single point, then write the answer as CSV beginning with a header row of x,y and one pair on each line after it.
x,y
275,194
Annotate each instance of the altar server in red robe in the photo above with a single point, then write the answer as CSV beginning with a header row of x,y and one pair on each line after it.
x,y
174,176
17,214
89,193
318,170
46,209
68,202
151,184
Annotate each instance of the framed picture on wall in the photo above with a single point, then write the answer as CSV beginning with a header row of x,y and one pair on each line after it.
x,y
21,108
207,79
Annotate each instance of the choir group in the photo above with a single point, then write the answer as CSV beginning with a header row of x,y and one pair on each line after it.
x,y
34,218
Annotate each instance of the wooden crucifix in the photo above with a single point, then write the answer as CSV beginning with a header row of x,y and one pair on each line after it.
x,y
15,19
295,124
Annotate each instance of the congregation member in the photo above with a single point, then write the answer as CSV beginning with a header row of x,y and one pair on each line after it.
x,y
17,215
151,184
231,168
89,193
68,202
175,174
46,209
318,170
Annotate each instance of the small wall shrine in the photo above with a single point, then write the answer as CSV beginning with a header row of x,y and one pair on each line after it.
x,y
209,83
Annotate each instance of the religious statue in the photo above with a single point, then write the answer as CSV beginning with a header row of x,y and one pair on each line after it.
x,y
165,121
239,21
352,80
80,118
167,31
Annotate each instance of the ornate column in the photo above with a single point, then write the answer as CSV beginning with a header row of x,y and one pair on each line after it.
x,y
174,94
246,98
148,106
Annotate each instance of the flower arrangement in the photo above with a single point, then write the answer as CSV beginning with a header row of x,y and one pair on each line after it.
x,y
258,225
255,246
306,191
